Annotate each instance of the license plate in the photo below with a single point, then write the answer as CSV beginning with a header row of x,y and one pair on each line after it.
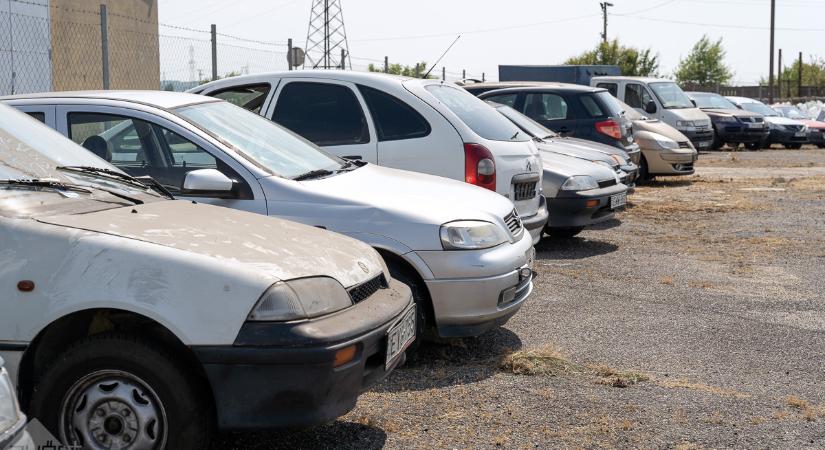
x,y
800,134
618,200
754,125
704,144
400,336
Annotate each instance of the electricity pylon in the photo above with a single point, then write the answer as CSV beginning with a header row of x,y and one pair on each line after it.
x,y
326,46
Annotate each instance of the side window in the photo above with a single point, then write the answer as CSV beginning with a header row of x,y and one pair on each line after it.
x,y
247,97
636,96
593,109
613,88
38,115
504,99
545,107
326,114
394,119
141,148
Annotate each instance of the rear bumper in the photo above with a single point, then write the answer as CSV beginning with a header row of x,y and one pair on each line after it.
x,y
535,224
816,138
571,209
634,152
787,137
283,374
477,290
740,134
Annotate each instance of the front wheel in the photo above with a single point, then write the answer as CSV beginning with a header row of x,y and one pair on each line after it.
x,y
644,171
752,146
117,391
563,232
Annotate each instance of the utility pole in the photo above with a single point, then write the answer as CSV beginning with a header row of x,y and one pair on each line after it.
x,y
799,77
779,75
770,73
604,6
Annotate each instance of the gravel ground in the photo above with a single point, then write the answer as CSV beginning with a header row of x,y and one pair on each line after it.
x,y
697,322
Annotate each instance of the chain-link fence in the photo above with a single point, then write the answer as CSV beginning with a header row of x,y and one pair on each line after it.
x,y
56,45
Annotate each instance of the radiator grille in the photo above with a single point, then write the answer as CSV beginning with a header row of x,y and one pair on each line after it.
x,y
365,290
607,183
513,222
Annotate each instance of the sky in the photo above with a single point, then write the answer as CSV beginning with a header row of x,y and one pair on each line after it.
x,y
495,32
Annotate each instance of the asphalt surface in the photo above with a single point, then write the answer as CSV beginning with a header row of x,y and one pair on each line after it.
x,y
697,320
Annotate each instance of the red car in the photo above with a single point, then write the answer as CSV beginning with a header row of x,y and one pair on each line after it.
x,y
816,127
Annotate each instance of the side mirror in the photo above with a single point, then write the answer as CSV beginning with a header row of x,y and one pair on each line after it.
x,y
207,182
650,107
694,102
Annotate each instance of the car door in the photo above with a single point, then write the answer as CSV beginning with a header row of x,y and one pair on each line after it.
x,y
43,113
144,144
637,96
329,113
553,110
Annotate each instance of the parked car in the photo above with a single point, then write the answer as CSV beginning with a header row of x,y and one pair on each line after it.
x,y
665,151
786,132
13,434
731,125
579,193
426,126
816,128
445,239
568,109
132,320
664,100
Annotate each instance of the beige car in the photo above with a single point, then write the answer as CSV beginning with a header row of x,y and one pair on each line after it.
x,y
665,150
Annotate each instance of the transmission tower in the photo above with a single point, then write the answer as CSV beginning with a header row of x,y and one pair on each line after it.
x,y
327,37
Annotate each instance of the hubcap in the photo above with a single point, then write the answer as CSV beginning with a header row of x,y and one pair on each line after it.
x,y
112,410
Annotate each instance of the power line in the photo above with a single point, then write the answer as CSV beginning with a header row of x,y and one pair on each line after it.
x,y
716,25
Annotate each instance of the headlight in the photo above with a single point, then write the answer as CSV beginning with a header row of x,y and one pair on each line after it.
x,y
777,126
471,235
684,123
303,298
726,119
9,411
580,183
805,129
667,144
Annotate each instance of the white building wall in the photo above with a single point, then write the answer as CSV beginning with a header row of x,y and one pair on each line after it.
x,y
25,47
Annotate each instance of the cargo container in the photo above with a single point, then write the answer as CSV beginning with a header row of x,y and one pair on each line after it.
x,y
561,74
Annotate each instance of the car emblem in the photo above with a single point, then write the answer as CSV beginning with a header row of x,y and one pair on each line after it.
x,y
529,167
363,267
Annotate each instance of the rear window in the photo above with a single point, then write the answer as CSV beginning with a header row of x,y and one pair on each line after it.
x,y
479,116
394,119
609,104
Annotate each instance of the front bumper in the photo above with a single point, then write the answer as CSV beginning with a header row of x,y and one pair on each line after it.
x,y
738,133
788,137
816,137
477,290
701,139
535,224
569,209
667,162
283,375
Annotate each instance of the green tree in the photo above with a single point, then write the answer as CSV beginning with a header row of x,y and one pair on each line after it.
x,y
632,61
813,74
398,69
704,65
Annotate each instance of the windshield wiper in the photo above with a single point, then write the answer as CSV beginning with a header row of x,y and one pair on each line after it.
x,y
143,182
512,138
47,183
313,174
539,140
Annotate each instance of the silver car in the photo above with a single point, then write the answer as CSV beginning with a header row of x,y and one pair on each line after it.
x,y
462,249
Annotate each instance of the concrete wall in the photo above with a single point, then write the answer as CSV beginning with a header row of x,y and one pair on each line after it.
x,y
24,48
133,44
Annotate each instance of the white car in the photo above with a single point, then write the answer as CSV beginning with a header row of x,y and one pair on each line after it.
x,y
133,321
461,248
788,132
13,434
426,126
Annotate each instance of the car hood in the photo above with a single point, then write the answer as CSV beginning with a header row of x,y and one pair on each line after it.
x,y
272,246
688,114
659,127
779,120
718,112
813,124
562,166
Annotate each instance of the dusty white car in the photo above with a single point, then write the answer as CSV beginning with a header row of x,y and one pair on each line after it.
x,y
426,126
462,249
133,321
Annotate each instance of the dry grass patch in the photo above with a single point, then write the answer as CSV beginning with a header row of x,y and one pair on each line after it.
x,y
666,280
618,378
687,384
809,412
545,360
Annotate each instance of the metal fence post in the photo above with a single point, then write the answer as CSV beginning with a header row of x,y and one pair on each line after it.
x,y
482,77
463,74
386,64
343,59
443,74
104,44
417,70
214,52
289,53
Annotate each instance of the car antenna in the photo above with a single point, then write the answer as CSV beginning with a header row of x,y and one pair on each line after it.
x,y
440,57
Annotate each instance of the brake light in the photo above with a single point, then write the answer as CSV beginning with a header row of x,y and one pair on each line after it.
x,y
609,128
479,166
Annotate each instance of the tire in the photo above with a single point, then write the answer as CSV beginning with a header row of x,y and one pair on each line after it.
x,y
563,232
752,146
793,146
425,320
98,378
644,171
820,145
716,144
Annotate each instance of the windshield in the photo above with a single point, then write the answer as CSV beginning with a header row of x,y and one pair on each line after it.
x,y
622,107
479,116
527,124
670,95
760,108
712,101
267,144
30,150
791,112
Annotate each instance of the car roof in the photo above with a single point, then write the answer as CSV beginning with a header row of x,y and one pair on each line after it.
x,y
340,75
629,78
742,99
538,86
161,99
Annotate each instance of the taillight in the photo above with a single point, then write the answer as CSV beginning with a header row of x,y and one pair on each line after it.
x,y
479,166
609,128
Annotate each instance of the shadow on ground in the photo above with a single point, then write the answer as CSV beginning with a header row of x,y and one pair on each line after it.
x,y
336,435
452,362
573,248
